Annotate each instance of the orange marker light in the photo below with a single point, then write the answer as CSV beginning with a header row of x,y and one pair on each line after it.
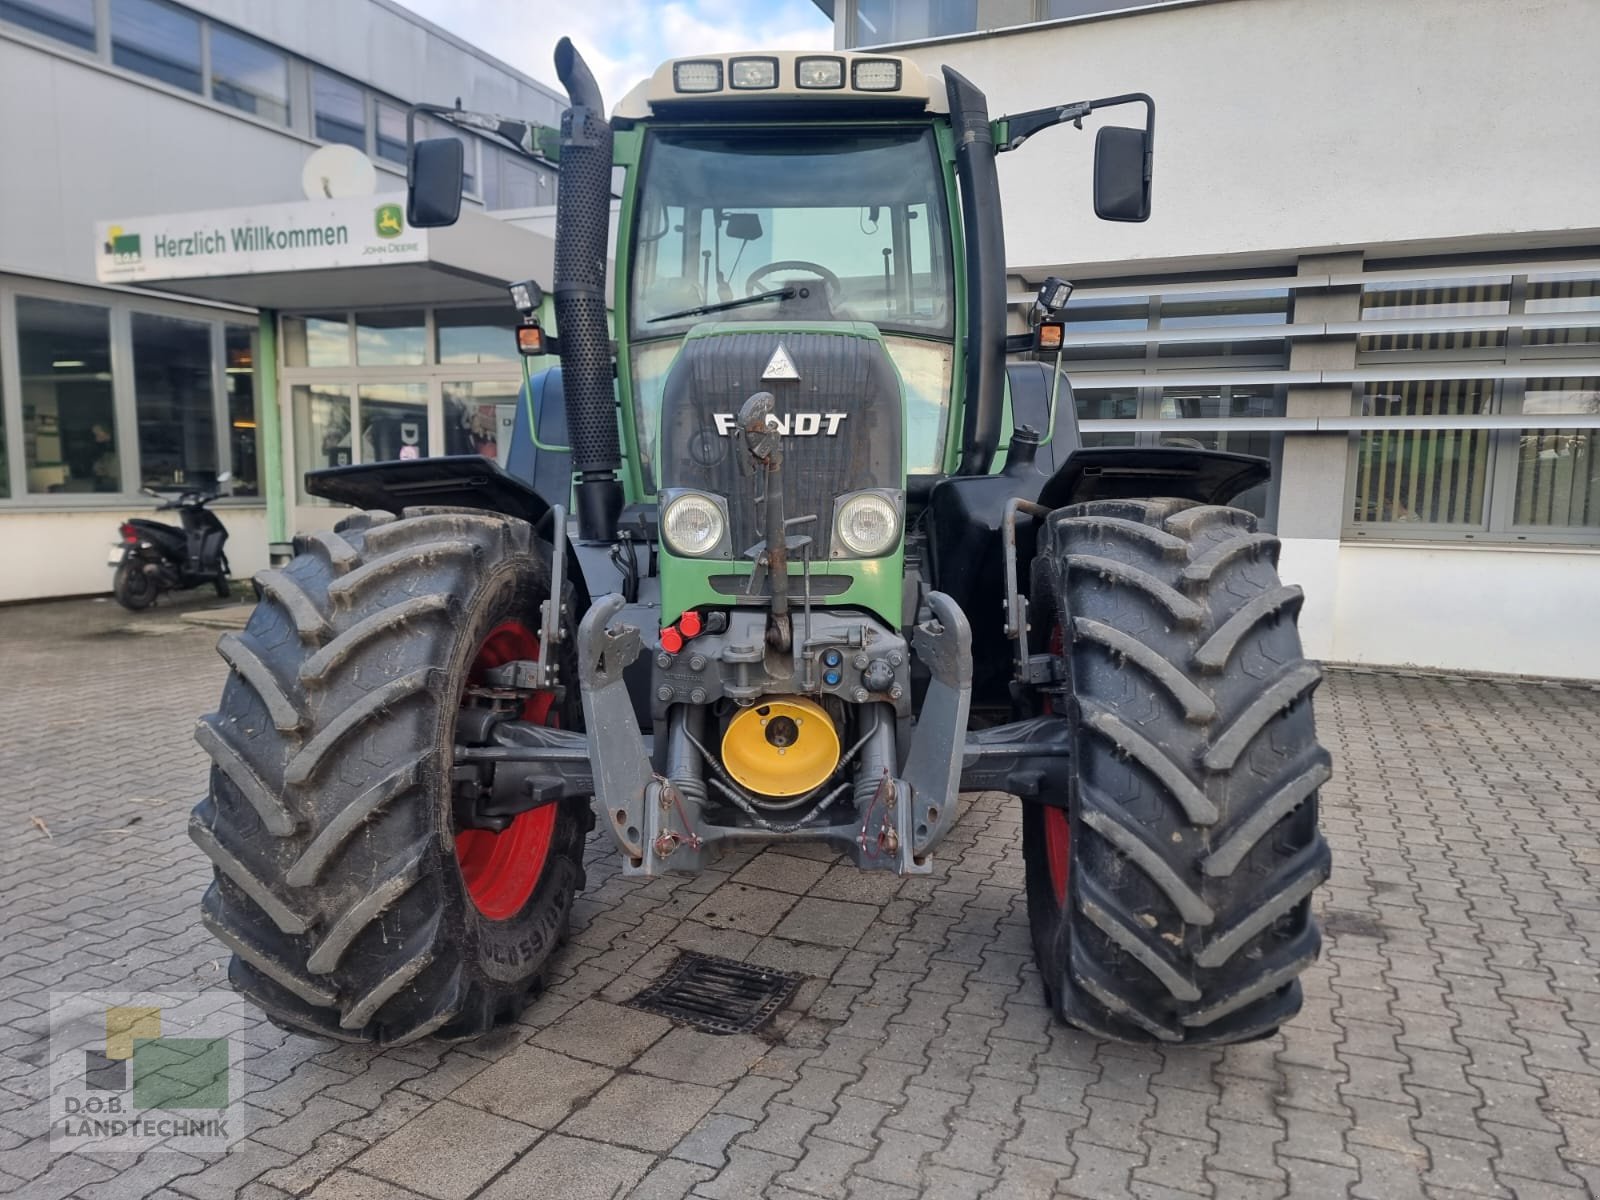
x,y
1049,336
530,340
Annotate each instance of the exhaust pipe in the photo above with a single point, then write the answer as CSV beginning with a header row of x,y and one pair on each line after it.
x,y
583,219
979,185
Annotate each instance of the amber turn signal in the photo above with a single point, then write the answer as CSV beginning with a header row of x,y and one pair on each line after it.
x,y
531,340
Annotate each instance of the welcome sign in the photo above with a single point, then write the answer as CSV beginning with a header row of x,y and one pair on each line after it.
x,y
307,235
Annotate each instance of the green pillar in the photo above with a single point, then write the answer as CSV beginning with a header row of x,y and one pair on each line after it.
x,y
270,428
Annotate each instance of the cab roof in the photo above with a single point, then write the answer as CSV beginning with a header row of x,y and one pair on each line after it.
x,y
816,82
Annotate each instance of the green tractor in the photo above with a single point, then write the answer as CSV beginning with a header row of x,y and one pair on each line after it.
x,y
832,559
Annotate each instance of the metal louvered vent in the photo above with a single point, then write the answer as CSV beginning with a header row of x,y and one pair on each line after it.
x,y
717,994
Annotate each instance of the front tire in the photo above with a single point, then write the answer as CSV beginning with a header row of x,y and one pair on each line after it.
x,y
1169,894
352,906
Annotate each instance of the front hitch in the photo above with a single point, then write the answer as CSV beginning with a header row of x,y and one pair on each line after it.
x,y
643,811
765,447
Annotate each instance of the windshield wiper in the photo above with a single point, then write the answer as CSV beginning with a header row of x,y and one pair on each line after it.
x,y
760,297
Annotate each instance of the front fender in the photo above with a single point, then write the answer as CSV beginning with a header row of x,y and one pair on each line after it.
x,y
457,480
1142,472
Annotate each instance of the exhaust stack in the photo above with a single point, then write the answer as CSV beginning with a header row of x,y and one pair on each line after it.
x,y
583,218
986,274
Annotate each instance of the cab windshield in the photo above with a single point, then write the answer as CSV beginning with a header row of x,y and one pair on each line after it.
x,y
823,225
727,216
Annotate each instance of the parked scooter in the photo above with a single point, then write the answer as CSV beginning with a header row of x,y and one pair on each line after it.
x,y
154,557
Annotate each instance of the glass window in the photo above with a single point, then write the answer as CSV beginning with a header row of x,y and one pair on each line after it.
x,y
1550,294
1055,10
5,461
479,416
510,181
1269,307
651,361
394,421
69,21
1558,475
316,340
391,143
1429,476
1486,297
341,110
924,368
860,232
1212,402
1087,318
172,394
882,21
239,346
249,76
157,40
1107,404
69,424
1221,310
321,432
391,338
477,335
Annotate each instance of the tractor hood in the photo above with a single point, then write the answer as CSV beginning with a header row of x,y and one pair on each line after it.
x,y
837,422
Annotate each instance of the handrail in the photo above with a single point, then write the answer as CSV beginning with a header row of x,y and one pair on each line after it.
x,y
1581,266
1341,425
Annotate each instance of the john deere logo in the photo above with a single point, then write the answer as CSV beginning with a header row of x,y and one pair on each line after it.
x,y
390,220
124,247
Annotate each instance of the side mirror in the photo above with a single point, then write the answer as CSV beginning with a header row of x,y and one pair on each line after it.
x,y
744,227
435,175
1121,179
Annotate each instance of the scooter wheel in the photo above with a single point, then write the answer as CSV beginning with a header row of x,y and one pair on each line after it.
x,y
133,589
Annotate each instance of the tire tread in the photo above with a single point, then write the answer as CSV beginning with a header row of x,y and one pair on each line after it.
x,y
333,876
1194,844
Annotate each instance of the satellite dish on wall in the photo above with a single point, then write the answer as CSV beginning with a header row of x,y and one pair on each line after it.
x,y
335,171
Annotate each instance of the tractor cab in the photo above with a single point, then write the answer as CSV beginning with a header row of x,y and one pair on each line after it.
x,y
780,193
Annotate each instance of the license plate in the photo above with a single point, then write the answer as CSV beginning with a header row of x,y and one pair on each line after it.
x,y
114,559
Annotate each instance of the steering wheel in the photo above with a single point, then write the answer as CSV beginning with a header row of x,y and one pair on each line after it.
x,y
790,264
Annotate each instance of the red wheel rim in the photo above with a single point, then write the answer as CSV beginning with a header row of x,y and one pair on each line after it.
x,y
501,869
1058,851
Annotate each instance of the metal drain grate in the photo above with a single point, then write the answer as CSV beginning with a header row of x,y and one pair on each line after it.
x,y
717,994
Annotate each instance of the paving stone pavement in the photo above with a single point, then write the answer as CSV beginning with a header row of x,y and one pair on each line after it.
x,y
1449,1046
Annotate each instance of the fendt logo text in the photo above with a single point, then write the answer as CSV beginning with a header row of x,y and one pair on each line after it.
x,y
797,425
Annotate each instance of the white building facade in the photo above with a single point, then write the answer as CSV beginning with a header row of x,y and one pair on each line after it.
x,y
1374,257
117,114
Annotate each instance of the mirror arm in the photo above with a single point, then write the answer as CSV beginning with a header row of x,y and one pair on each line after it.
x,y
1011,132
527,138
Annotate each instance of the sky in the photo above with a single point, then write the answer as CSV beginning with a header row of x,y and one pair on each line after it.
x,y
623,41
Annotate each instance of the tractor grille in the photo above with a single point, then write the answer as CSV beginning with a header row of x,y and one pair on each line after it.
x,y
717,994
842,375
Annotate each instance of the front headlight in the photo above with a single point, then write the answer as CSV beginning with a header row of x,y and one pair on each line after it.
x,y
693,524
868,524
